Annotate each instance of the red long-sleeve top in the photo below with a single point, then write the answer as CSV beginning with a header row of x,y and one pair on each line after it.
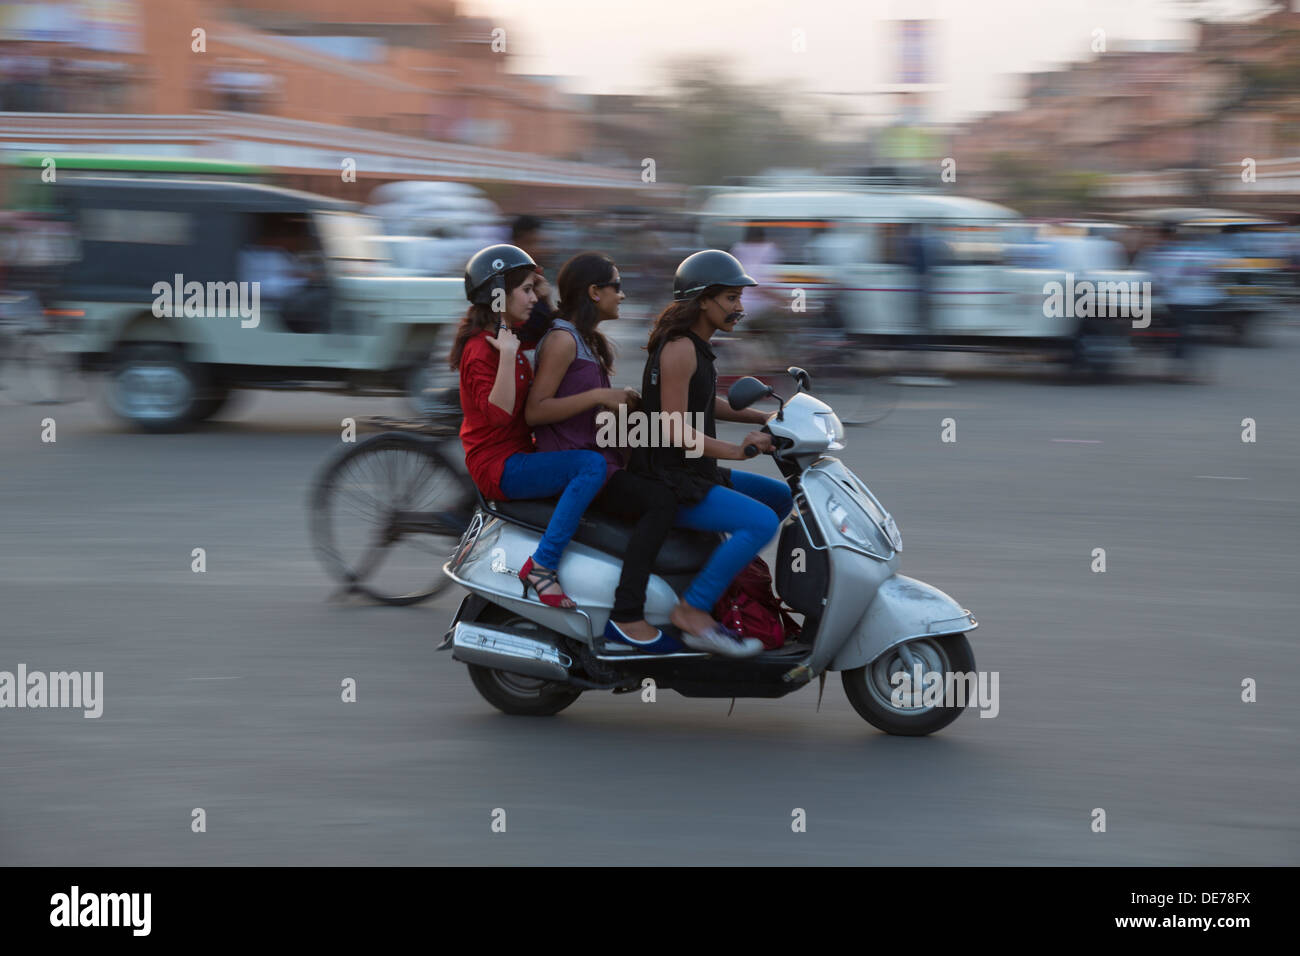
x,y
491,435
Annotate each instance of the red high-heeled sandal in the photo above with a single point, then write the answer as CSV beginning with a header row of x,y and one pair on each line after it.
x,y
547,577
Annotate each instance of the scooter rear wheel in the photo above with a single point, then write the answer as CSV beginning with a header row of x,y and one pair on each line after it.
x,y
870,687
517,694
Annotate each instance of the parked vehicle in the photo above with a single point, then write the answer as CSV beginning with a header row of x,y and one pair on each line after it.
x,y
149,246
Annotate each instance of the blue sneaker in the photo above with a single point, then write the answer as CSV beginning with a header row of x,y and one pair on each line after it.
x,y
660,644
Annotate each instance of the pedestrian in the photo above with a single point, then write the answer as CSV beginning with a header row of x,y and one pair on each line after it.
x,y
526,234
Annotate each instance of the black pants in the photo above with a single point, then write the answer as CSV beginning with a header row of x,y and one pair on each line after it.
x,y
654,506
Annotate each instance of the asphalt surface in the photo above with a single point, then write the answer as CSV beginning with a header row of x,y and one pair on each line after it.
x,y
1118,690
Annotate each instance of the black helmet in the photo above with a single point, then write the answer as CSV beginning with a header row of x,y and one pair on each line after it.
x,y
708,268
486,270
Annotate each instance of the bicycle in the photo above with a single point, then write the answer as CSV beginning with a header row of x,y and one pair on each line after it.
x,y
860,383
33,370
387,512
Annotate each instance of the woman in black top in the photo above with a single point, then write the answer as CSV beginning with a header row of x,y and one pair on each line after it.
x,y
681,381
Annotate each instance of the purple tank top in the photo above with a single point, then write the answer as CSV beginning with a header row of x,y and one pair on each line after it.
x,y
580,431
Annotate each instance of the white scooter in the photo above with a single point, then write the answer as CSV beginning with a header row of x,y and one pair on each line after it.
x,y
836,564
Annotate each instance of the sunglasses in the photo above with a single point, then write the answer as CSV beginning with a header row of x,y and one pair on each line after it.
x,y
616,286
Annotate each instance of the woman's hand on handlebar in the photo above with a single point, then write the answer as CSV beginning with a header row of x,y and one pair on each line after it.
x,y
756,439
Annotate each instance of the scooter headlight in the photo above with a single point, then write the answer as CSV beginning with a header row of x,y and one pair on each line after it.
x,y
830,423
855,527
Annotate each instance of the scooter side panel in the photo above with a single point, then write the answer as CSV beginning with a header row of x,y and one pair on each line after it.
x,y
854,575
490,567
904,608
853,580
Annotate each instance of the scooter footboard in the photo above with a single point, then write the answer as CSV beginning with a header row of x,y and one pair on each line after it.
x,y
902,610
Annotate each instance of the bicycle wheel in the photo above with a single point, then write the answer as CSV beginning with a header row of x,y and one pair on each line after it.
x,y
760,354
860,384
40,373
387,513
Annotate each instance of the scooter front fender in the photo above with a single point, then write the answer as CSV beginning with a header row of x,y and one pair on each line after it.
x,y
902,610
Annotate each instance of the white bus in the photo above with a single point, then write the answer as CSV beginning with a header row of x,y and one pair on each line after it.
x,y
858,250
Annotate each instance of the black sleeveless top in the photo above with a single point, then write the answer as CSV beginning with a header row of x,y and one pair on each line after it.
x,y
690,478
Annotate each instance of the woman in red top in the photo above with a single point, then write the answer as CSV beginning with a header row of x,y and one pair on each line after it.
x,y
494,381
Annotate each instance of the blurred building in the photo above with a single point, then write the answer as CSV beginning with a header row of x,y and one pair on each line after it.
x,y
287,72
414,67
1133,125
626,127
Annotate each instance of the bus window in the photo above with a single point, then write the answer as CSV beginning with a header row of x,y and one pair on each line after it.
x,y
893,246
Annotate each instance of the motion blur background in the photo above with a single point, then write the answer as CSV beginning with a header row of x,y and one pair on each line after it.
x,y
1067,110
616,124
929,167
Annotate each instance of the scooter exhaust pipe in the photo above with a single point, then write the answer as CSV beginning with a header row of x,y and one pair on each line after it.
x,y
508,651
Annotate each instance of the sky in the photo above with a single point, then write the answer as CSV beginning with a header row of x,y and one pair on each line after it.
x,y
850,46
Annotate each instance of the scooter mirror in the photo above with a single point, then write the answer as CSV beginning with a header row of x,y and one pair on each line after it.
x,y
746,392
802,377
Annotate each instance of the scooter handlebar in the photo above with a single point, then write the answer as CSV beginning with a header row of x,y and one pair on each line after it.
x,y
752,450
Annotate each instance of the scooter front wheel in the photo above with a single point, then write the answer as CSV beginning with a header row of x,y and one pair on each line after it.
x,y
889,705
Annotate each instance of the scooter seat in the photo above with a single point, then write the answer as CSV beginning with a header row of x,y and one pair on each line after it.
x,y
684,552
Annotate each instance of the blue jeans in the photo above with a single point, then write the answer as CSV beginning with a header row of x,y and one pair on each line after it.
x,y
750,511
576,476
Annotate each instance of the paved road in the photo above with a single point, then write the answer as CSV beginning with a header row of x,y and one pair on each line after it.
x,y
1118,690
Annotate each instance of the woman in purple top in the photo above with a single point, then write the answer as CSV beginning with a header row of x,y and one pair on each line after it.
x,y
571,384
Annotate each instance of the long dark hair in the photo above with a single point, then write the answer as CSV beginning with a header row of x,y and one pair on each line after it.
x,y
677,318
576,276
480,317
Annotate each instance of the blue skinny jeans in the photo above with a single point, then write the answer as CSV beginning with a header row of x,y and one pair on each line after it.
x,y
750,512
576,476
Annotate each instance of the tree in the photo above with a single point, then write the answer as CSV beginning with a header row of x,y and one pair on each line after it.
x,y
724,129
